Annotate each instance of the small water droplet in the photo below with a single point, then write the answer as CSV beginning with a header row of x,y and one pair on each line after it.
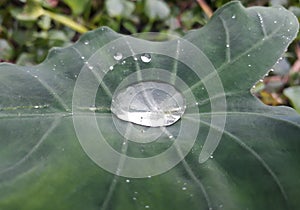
x,y
91,67
82,57
249,65
211,156
149,177
275,21
184,188
147,207
146,58
248,55
135,58
233,17
170,137
261,80
92,108
134,198
86,42
227,45
118,56
127,180
111,68
35,76
260,18
152,104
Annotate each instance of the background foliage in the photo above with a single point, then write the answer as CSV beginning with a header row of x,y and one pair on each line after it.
x,y
29,28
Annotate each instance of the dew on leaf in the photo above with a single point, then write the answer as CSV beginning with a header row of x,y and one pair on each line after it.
x,y
118,56
92,108
233,17
111,68
152,104
86,42
127,180
146,58
227,45
184,188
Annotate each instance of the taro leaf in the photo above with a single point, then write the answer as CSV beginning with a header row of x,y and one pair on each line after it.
x,y
255,166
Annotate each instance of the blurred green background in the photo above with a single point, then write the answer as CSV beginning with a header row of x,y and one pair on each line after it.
x,y
29,28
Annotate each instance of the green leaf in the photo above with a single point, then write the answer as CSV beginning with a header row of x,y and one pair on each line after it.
x,y
77,6
156,9
119,8
6,50
26,59
293,93
31,12
255,165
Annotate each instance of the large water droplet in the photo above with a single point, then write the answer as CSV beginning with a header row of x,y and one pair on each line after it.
x,y
118,56
146,58
150,103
